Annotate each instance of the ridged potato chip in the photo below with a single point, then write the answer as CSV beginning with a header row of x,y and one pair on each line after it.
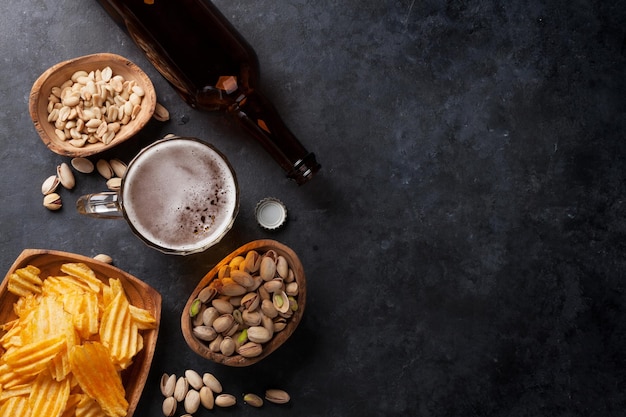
x,y
63,354
98,378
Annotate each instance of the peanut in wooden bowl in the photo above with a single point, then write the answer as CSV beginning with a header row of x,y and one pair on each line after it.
x,y
56,75
138,293
261,246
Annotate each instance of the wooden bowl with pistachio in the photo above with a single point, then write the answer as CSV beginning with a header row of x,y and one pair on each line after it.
x,y
247,306
86,105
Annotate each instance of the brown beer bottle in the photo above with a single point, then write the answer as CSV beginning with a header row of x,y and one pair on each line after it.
x,y
212,67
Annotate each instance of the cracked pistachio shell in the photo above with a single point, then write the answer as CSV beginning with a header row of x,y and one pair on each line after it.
x,y
82,165
52,201
169,406
250,350
168,383
104,168
50,185
64,172
118,167
194,379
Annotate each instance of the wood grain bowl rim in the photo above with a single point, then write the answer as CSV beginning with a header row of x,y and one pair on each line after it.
x,y
61,72
139,293
201,348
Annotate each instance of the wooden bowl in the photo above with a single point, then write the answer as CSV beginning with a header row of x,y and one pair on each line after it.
x,y
56,75
201,347
139,294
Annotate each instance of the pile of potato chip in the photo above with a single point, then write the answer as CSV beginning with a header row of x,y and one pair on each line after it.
x,y
64,353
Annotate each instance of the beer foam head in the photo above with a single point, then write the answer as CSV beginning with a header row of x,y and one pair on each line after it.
x,y
180,194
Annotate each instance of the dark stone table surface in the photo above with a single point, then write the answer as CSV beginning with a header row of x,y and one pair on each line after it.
x,y
464,243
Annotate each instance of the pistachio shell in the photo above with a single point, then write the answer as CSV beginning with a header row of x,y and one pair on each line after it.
x,y
82,165
114,183
192,401
282,267
281,301
292,288
227,347
66,176
52,201
268,268
207,398
209,315
223,323
104,168
169,406
194,379
259,334
103,258
253,400
214,346
250,301
207,294
225,400
50,185
223,306
181,388
168,383
206,333
277,396
242,278
252,261
250,350
118,167
212,382
273,285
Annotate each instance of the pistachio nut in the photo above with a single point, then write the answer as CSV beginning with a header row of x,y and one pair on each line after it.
x,y
82,165
50,185
168,383
273,285
103,258
231,288
206,294
279,324
161,113
253,400
282,267
259,334
214,346
277,396
194,379
209,315
64,172
207,399
281,301
223,323
52,201
118,167
212,382
252,318
250,301
227,347
169,406
267,307
104,168
114,183
292,288
252,261
194,309
181,388
225,400
192,401
268,268
250,350
242,278
235,262
223,306
206,333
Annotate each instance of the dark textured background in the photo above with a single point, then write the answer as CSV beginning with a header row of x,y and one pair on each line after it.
x,y
464,241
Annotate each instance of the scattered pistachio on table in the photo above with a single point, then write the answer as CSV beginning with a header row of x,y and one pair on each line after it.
x,y
194,390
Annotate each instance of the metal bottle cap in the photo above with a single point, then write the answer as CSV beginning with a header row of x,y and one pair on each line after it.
x,y
271,213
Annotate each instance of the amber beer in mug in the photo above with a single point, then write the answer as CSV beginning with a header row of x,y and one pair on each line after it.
x,y
179,195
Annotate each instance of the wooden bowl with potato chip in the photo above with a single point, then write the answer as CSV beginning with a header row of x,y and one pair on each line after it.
x,y
52,266
291,320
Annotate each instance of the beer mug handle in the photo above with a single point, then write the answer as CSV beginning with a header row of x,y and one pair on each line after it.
x,y
103,205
